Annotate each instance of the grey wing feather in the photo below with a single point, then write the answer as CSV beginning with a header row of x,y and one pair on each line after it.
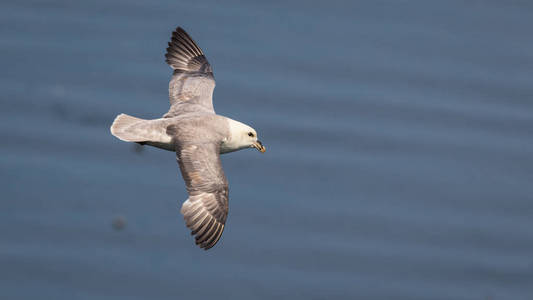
x,y
206,209
192,84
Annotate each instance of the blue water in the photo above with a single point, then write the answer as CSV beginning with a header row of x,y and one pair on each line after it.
x,y
399,162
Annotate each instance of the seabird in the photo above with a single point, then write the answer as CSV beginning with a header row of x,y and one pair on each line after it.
x,y
197,134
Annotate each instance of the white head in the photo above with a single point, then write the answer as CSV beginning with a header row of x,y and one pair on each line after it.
x,y
241,136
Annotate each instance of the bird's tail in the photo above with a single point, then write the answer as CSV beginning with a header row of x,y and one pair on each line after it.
x,y
126,128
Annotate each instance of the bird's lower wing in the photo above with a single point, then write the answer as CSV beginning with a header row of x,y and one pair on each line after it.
x,y
206,209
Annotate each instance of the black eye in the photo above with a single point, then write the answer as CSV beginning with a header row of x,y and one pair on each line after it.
x,y
250,134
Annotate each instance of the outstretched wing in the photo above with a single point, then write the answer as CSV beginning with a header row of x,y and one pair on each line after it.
x,y
192,84
206,209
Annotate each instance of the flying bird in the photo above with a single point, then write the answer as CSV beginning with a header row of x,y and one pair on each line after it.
x,y
197,134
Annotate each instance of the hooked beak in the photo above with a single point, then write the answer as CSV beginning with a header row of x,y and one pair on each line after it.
x,y
259,146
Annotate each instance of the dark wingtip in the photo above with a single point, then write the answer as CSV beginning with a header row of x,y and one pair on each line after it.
x,y
184,54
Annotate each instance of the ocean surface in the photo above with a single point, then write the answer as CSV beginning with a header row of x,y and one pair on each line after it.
x,y
399,161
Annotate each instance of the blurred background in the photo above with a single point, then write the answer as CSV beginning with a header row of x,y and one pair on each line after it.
x,y
399,162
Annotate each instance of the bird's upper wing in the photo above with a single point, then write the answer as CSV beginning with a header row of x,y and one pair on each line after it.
x,y
206,209
192,84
